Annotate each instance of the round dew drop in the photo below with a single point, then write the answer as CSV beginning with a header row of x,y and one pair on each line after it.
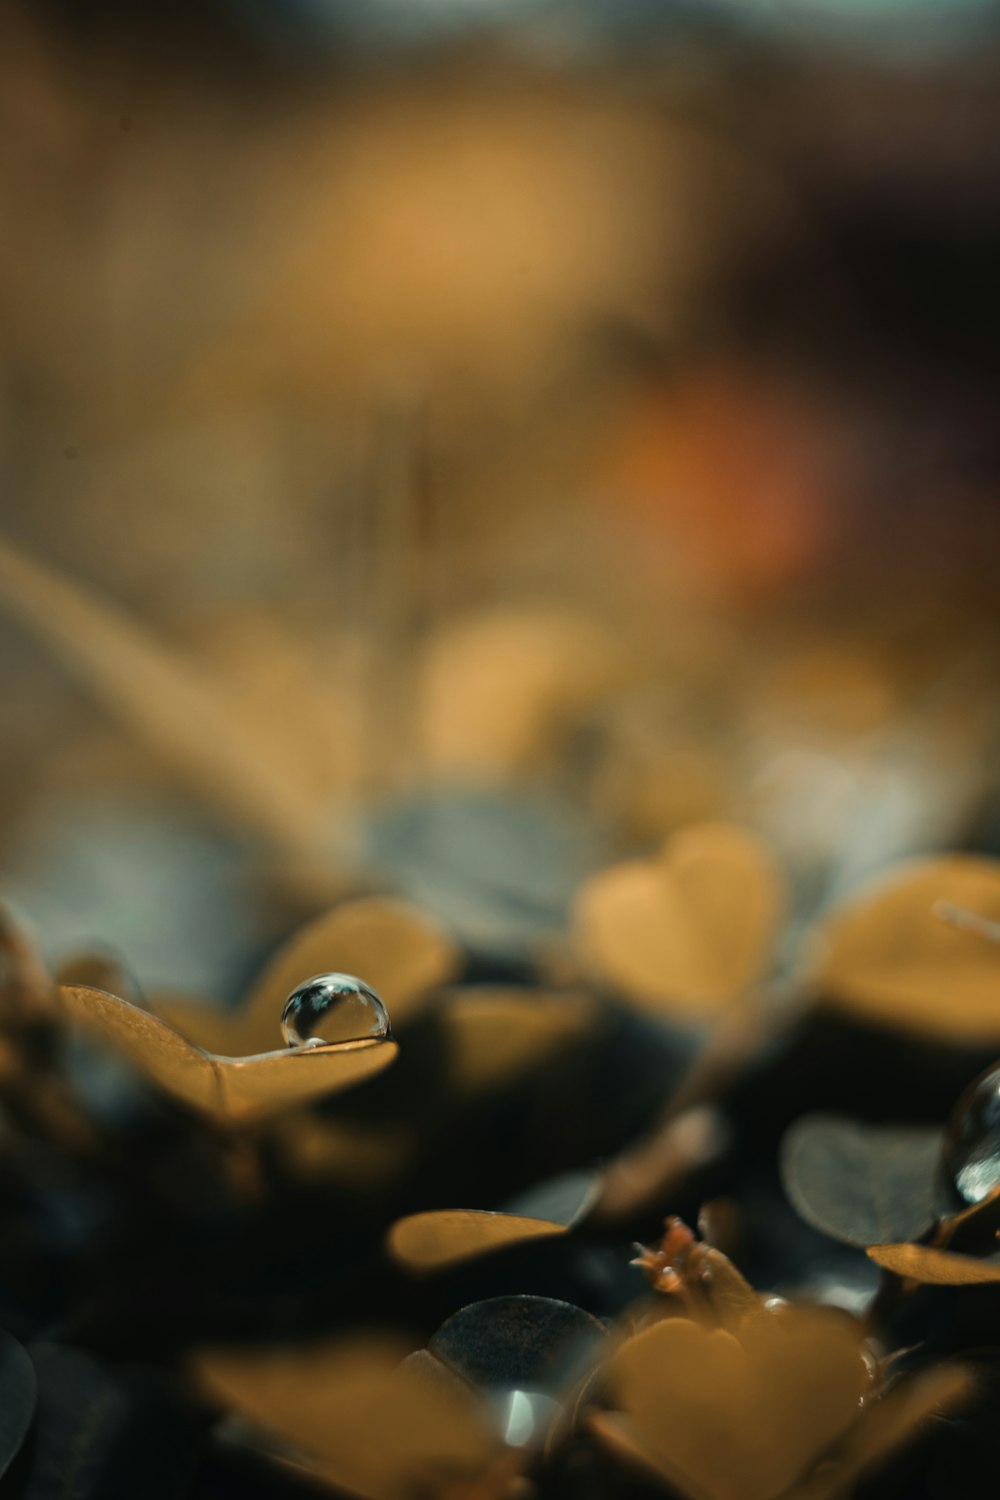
x,y
333,1008
971,1151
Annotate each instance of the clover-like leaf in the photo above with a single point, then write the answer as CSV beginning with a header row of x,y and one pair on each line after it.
x,y
889,958
368,1421
439,1239
228,1090
926,1263
709,1410
394,947
687,931
861,1184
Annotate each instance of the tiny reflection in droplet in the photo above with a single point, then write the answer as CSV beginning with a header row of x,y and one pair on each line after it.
x,y
971,1151
525,1417
333,1008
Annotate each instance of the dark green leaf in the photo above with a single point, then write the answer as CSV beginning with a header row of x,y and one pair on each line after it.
x,y
526,1343
861,1184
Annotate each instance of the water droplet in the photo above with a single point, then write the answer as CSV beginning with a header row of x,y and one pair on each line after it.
x,y
971,1150
333,1008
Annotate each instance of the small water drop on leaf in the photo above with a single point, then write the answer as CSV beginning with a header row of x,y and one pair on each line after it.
x,y
971,1150
333,1008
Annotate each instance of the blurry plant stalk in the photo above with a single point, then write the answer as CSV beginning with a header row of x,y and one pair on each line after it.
x,y
393,548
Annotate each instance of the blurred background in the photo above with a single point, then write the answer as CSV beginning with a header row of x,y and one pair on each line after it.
x,y
447,444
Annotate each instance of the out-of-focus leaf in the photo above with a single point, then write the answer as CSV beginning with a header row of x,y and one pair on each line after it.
x,y
498,688
712,1412
18,1395
646,1173
376,1426
98,971
888,958
104,1436
499,868
688,931
25,984
436,1240
566,1199
360,1155
394,947
861,1184
230,1091
493,1034
519,1343
935,1267
887,1425
162,700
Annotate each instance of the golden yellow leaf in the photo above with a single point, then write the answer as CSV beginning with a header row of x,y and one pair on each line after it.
x,y
712,1411
936,1267
889,959
230,1091
436,1240
686,931
395,948
494,1034
378,1427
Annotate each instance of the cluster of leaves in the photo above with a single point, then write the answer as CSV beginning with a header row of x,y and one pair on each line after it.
x,y
226,1268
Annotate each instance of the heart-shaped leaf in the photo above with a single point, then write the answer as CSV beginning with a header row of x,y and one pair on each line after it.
x,y
439,1239
861,1184
229,1090
374,1423
712,1412
394,947
936,1267
890,959
18,1394
687,931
